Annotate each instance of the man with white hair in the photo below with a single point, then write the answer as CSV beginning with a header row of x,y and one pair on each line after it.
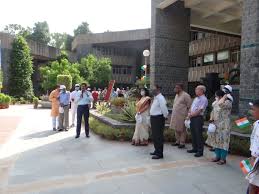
x,y
74,104
195,115
64,99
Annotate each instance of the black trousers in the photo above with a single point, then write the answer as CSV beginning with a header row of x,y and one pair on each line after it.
x,y
157,128
82,110
196,131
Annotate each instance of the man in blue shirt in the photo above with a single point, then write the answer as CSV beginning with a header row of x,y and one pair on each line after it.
x,y
64,100
84,99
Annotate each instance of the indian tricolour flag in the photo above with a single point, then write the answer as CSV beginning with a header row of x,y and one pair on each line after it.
x,y
246,166
242,123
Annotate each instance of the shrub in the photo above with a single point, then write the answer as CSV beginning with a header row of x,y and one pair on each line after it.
x,y
118,102
103,108
129,111
110,133
4,100
65,80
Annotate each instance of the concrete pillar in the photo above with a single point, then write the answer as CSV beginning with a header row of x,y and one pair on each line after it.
x,y
249,80
170,33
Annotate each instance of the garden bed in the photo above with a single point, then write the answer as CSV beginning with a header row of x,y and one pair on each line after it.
x,y
111,129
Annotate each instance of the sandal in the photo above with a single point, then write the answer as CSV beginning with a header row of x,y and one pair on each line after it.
x,y
222,162
215,160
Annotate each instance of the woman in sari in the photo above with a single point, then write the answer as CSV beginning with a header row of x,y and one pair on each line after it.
x,y
141,133
220,117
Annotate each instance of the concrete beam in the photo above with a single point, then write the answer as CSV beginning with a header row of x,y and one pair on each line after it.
x,y
166,3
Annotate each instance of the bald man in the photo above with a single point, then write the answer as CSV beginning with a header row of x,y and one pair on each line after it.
x,y
195,115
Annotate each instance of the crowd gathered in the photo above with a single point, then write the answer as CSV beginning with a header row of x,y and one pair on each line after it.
x,y
152,113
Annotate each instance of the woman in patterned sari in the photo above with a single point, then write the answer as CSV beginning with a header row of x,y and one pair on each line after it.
x,y
220,117
141,133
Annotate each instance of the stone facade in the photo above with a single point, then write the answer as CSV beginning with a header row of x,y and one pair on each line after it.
x,y
249,81
169,45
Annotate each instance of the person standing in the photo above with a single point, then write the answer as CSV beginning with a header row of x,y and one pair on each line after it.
x,y
158,115
195,115
253,176
220,117
141,133
54,99
84,100
64,100
74,104
95,97
181,106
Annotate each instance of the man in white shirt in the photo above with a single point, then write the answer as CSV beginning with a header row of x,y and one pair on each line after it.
x,y
158,115
74,104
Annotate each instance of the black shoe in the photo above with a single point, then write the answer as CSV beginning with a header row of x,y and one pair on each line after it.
x,y
155,157
60,129
197,155
192,151
87,136
181,146
152,153
54,129
77,136
175,144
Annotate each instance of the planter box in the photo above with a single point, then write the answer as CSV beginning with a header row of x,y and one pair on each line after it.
x,y
45,104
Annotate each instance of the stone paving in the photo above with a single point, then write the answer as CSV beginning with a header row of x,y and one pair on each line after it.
x,y
37,160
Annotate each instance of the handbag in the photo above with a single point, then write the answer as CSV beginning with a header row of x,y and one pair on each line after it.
x,y
212,128
61,110
138,118
187,123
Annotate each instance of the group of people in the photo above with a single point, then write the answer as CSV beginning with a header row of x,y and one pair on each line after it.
x,y
152,113
80,99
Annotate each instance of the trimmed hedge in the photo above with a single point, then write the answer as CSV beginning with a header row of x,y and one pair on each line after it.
x,y
238,145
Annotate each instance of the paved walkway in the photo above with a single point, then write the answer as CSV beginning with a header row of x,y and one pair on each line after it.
x,y
38,161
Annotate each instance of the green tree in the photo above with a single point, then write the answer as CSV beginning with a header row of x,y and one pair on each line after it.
x,y
97,72
20,83
58,40
17,29
61,66
65,80
40,33
83,28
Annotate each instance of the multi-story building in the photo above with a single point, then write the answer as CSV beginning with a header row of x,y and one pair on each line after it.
x,y
209,51
123,48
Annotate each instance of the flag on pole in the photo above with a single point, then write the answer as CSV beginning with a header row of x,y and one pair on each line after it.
x,y
242,123
246,166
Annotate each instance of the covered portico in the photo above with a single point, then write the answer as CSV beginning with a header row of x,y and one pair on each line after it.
x,y
171,22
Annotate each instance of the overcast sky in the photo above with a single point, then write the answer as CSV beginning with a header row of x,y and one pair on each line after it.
x,y
66,15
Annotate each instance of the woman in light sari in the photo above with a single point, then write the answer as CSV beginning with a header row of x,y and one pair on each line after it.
x,y
141,133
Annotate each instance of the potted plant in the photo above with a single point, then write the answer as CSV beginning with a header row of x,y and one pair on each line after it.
x,y
4,101
35,102
7,100
1,101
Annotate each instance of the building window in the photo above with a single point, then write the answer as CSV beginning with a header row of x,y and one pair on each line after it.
x,y
208,59
235,56
121,70
223,57
196,61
